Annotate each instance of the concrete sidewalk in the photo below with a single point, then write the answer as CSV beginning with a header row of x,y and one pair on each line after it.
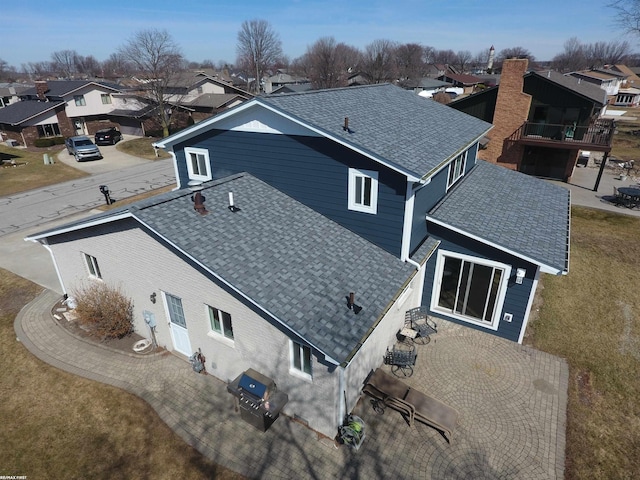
x,y
511,398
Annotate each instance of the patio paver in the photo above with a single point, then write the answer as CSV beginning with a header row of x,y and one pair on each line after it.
x,y
512,403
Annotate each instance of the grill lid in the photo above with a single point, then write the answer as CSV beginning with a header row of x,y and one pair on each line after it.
x,y
252,386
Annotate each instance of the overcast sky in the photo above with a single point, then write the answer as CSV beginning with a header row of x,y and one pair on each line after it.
x,y
207,29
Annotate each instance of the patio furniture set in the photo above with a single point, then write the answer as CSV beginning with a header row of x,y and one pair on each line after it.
x,y
628,197
418,328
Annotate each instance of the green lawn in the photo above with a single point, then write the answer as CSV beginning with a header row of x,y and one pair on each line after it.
x,y
591,317
141,147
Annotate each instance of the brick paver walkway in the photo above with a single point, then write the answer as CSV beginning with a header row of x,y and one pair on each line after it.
x,y
512,401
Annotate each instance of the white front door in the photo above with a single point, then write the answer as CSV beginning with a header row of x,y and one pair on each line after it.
x,y
178,324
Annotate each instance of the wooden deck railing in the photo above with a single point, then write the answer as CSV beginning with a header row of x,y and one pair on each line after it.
x,y
598,133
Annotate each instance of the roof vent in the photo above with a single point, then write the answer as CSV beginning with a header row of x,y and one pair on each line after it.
x,y
351,303
345,127
232,206
197,198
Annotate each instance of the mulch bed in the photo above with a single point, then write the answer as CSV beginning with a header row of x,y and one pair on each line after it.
x,y
64,316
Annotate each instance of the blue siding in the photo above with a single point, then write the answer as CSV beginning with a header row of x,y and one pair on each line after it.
x,y
427,196
517,296
312,170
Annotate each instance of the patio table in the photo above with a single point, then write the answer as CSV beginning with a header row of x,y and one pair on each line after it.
x,y
630,196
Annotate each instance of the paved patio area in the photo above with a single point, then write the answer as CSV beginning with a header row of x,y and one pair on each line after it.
x,y
512,401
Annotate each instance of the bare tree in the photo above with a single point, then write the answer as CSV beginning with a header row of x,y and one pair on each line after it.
x,y
116,66
89,66
513,52
480,60
607,53
37,70
445,57
379,61
158,60
627,15
259,48
463,59
410,62
65,62
572,58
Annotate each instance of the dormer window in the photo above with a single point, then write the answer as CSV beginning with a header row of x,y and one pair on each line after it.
x,y
363,190
456,169
198,163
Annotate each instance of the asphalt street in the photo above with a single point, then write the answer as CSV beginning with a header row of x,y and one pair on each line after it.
x,y
28,212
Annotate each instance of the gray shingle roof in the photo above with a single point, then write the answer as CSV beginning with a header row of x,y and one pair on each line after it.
x,y
585,89
59,88
514,211
293,262
413,133
18,112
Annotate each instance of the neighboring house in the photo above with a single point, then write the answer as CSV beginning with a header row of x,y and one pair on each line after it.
x,y
282,78
541,120
307,198
205,93
426,87
608,80
468,83
10,92
59,107
437,70
305,87
628,97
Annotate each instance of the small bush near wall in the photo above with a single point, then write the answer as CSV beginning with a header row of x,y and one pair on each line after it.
x,y
58,140
104,310
43,142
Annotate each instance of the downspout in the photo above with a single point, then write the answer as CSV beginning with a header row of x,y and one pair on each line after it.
x,y
413,262
342,400
55,264
175,169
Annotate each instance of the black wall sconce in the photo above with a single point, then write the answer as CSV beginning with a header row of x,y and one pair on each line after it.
x,y
152,297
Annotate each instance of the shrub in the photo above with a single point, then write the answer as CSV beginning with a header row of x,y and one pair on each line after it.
x,y
104,310
58,140
44,142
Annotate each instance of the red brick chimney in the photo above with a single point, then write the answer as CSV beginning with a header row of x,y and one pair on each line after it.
x,y
41,89
512,110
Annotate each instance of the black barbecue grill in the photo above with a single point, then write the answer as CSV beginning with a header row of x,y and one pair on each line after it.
x,y
258,399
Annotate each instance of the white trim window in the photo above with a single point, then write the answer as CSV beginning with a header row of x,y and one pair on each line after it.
x,y
470,289
456,169
363,190
220,322
92,265
198,163
300,359
79,101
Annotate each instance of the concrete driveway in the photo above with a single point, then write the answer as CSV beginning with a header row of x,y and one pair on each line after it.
x,y
113,159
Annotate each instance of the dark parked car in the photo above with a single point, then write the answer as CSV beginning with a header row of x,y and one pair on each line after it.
x,y
108,136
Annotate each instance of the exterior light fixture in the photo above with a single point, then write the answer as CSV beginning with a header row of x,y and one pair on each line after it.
x,y
520,274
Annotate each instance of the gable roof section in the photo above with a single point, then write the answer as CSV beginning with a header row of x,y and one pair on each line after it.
x,y
293,263
60,88
521,215
396,127
20,112
584,89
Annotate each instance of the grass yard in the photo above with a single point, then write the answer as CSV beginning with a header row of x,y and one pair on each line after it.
x,y
591,317
141,147
57,425
30,171
626,146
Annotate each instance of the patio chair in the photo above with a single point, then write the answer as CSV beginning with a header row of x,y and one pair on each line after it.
x,y
618,198
402,358
418,319
387,391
